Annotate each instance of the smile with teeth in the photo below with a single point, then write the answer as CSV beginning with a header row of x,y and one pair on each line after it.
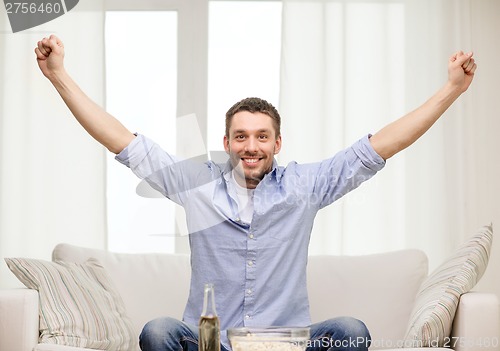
x,y
250,160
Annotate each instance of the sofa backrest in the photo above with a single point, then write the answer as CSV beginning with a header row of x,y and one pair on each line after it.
x,y
378,289
151,285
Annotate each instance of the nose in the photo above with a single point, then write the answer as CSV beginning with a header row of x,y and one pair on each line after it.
x,y
251,145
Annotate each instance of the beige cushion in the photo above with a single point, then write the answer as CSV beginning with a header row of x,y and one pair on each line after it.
x,y
79,306
438,298
378,289
151,285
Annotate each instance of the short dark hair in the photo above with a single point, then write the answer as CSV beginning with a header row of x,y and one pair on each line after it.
x,y
253,104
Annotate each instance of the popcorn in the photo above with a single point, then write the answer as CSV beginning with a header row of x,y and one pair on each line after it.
x,y
268,339
257,345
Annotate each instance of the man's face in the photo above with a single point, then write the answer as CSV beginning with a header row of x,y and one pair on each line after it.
x,y
251,146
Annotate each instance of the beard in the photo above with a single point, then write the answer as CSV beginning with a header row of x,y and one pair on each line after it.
x,y
249,177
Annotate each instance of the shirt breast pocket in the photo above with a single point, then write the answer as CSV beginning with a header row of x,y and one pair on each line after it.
x,y
283,220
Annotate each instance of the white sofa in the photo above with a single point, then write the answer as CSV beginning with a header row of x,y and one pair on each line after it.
x,y
378,289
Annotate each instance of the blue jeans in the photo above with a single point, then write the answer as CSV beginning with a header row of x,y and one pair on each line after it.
x,y
337,334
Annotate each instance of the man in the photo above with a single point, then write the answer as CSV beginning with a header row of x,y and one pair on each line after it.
x,y
249,219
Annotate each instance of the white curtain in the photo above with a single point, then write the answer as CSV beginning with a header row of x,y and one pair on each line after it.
x,y
52,174
351,67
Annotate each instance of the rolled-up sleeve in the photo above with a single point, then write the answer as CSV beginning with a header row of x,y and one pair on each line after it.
x,y
347,170
367,155
174,177
130,154
144,157
148,161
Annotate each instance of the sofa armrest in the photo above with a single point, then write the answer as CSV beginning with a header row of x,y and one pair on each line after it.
x,y
19,321
476,326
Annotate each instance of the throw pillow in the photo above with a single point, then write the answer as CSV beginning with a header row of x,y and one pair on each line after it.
x,y
79,306
437,300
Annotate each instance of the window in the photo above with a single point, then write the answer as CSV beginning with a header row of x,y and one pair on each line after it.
x,y
141,93
244,58
171,59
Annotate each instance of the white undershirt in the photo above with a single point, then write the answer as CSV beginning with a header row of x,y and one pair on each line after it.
x,y
244,200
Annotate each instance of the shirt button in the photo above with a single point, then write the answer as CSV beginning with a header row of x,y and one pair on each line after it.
x,y
247,316
249,292
250,263
251,236
237,219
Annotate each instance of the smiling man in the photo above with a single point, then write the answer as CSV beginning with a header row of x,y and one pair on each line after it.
x,y
250,220
252,139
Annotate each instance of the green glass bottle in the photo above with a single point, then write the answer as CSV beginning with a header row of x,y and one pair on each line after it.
x,y
209,327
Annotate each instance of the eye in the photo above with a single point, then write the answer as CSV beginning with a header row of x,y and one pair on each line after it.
x,y
239,137
263,137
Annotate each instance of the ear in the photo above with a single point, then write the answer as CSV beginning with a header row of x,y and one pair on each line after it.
x,y
277,146
226,144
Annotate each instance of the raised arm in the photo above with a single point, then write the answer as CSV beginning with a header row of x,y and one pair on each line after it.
x,y
103,127
403,132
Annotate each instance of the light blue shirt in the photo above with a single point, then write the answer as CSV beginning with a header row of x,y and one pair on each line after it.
x,y
258,268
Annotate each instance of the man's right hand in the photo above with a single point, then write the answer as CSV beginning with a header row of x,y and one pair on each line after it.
x,y
50,56
103,127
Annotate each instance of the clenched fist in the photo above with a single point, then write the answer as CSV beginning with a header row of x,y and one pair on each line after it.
x,y
50,56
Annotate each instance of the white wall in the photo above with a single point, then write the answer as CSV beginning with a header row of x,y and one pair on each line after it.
x,y
485,131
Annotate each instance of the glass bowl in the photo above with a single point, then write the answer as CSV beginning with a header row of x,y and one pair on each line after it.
x,y
268,339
